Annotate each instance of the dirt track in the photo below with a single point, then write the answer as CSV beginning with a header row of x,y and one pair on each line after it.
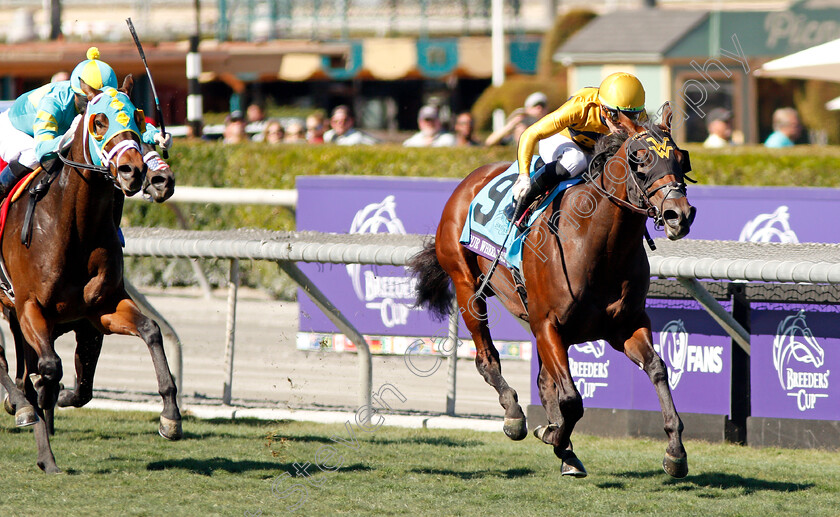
x,y
268,370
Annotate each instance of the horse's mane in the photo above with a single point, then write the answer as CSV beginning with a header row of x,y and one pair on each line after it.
x,y
605,148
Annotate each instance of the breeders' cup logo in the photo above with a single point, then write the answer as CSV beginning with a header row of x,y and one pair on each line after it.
x,y
773,227
381,292
681,357
795,346
673,348
585,371
597,348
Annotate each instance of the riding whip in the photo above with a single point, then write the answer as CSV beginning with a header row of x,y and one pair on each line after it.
x,y
152,83
495,263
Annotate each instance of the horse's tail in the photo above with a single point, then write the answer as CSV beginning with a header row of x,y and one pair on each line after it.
x,y
433,290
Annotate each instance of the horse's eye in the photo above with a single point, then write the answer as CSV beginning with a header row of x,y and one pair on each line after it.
x,y
99,125
638,159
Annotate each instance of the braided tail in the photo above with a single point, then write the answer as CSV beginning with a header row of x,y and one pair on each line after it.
x,y
433,285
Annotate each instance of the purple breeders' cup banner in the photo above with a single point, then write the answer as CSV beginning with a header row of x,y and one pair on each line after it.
x,y
765,214
378,300
795,352
696,352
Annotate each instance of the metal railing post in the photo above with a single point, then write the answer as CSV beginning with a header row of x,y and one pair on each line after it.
x,y
737,332
230,334
452,367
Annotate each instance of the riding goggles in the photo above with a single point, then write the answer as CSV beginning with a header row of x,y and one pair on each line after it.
x,y
638,115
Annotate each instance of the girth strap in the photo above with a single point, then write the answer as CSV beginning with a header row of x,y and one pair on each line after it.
x,y
36,192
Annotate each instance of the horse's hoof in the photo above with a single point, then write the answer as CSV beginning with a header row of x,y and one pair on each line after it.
x,y
547,433
49,469
515,428
170,429
25,416
66,398
675,467
8,406
571,466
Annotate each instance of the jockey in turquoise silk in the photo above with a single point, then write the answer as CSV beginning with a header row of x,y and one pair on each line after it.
x,y
30,131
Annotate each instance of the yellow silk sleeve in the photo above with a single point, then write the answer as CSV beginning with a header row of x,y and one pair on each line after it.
x,y
547,126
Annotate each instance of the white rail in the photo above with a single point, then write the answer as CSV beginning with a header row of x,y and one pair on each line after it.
x,y
234,196
716,260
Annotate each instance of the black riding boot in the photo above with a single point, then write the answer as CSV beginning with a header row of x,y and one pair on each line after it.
x,y
545,179
10,175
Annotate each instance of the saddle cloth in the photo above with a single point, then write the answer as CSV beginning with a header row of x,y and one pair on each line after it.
x,y
13,195
486,225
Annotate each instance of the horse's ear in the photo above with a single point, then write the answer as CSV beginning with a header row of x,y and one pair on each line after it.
x,y
90,91
128,85
666,112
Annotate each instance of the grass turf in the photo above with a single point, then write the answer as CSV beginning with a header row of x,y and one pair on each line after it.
x,y
115,464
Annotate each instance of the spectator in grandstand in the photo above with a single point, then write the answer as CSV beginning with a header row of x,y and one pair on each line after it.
x,y
295,133
786,128
719,125
516,123
464,127
315,128
255,121
234,131
60,76
431,132
536,105
273,132
342,132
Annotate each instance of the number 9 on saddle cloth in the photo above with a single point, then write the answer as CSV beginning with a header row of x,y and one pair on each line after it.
x,y
486,226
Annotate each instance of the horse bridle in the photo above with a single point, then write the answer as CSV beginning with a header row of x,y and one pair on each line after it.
x,y
647,208
105,157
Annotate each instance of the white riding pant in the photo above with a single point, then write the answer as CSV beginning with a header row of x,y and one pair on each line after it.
x,y
563,149
15,144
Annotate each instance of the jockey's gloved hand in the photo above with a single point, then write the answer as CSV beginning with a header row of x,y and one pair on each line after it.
x,y
154,161
50,162
520,188
163,140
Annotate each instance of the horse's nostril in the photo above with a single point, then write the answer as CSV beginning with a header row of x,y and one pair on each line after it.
x,y
671,217
125,169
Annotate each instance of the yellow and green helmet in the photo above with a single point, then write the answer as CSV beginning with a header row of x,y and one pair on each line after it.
x,y
622,91
97,74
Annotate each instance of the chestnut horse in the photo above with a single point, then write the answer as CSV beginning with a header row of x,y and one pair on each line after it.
x,y
586,274
70,277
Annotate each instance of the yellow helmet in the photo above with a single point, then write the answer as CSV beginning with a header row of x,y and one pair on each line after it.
x,y
97,74
622,91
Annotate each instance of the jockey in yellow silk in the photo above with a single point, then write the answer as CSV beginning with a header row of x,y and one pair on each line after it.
x,y
567,136
30,131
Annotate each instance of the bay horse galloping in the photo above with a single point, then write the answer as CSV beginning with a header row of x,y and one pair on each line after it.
x,y
586,274
70,276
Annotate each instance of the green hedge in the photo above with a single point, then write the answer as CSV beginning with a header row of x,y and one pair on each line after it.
x,y
252,165
801,166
